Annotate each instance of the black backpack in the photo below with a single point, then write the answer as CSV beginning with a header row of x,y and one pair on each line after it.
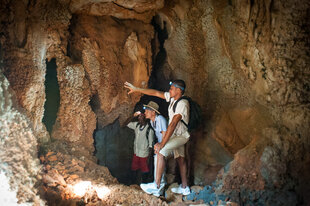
x,y
195,116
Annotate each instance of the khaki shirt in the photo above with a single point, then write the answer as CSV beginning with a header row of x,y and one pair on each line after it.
x,y
141,144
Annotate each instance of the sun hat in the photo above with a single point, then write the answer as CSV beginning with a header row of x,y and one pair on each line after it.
x,y
153,106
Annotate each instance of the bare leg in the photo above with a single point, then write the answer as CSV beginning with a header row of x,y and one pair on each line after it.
x,y
160,168
182,167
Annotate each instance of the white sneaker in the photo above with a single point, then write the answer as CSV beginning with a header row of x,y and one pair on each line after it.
x,y
146,186
151,188
180,190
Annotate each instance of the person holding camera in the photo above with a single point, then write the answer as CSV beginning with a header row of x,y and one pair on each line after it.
x,y
175,137
143,145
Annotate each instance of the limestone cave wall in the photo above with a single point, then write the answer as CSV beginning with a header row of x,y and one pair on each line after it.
x,y
19,165
245,62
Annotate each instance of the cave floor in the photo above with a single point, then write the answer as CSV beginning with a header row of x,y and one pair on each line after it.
x,y
71,176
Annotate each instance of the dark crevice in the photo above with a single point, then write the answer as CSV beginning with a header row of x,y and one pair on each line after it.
x,y
1,56
94,104
52,95
109,147
74,54
157,78
117,20
111,153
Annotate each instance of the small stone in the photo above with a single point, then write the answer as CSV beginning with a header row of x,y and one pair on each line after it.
x,y
170,196
231,204
49,153
74,162
73,177
49,180
52,158
196,188
42,159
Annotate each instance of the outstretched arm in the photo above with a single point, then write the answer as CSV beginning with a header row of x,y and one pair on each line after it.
x,y
151,92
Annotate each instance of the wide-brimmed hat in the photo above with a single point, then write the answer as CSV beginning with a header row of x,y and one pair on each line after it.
x,y
153,106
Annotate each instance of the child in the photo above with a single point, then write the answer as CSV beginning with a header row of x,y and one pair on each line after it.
x,y
143,144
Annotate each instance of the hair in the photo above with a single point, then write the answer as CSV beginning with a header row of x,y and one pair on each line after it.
x,y
138,107
181,83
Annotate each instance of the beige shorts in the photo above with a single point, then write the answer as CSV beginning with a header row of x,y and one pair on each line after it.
x,y
175,145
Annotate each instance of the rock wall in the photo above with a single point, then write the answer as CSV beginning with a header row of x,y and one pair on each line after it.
x,y
246,64
19,163
140,10
102,52
112,52
75,121
23,47
274,61
95,54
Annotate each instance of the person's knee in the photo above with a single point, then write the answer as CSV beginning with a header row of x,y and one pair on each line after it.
x,y
161,155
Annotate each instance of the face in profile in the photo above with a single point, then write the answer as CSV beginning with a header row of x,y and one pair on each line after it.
x,y
148,114
173,91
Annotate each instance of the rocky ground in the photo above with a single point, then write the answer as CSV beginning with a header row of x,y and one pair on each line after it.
x,y
69,177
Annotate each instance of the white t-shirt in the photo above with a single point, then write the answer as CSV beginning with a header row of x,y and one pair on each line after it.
x,y
182,109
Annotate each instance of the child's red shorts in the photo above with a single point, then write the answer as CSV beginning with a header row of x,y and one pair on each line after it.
x,y
139,163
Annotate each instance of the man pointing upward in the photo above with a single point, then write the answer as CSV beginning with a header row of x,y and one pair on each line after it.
x,y
174,138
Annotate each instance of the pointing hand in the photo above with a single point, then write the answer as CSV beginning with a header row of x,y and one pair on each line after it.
x,y
130,87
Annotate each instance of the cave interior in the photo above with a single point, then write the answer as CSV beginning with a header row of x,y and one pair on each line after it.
x,y
64,107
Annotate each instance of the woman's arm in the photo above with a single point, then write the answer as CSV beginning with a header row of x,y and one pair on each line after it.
x,y
131,118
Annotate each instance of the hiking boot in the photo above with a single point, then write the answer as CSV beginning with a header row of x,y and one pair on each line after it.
x,y
151,188
180,190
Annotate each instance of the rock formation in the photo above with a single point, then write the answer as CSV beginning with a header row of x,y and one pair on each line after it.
x,y
245,62
249,61
19,165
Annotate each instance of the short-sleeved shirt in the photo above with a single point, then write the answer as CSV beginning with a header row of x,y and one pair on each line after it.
x,y
159,125
141,142
182,108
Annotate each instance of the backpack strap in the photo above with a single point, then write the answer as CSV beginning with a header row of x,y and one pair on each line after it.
x,y
175,106
148,133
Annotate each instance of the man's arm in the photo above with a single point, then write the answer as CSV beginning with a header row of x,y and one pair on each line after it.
x,y
163,133
171,127
151,92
